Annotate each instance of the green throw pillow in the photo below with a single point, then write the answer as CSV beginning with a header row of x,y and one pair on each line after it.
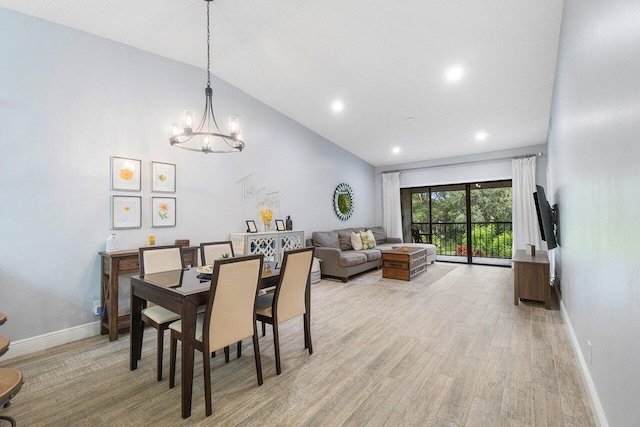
x,y
368,241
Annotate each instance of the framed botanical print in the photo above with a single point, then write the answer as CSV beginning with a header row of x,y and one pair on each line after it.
x,y
163,177
163,212
125,174
126,212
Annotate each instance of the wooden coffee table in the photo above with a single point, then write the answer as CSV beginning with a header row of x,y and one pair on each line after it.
x,y
404,264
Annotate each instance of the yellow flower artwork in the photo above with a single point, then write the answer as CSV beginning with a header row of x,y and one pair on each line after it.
x,y
126,174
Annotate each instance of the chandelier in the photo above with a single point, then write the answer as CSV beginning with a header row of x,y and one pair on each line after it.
x,y
207,136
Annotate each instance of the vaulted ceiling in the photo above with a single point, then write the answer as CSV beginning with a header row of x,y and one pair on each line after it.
x,y
434,78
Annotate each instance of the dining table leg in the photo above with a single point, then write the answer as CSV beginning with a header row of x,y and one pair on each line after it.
x,y
136,330
189,313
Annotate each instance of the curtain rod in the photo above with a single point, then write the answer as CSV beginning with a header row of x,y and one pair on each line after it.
x,y
523,156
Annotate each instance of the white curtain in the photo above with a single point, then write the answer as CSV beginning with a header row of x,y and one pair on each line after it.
x,y
525,220
391,212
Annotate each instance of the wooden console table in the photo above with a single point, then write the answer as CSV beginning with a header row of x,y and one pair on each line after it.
x,y
113,265
531,277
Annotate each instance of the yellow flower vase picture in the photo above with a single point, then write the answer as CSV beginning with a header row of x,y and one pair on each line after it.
x,y
163,211
126,212
163,177
125,174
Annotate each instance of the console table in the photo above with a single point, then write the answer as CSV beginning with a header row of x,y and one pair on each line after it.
x,y
113,265
271,244
531,277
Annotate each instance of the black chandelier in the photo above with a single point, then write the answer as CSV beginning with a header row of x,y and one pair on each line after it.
x,y
202,138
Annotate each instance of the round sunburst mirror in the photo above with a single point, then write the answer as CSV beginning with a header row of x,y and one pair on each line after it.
x,y
343,201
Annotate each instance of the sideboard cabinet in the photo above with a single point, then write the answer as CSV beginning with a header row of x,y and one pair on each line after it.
x,y
271,244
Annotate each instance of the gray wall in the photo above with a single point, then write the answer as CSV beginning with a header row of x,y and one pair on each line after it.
x,y
69,101
594,150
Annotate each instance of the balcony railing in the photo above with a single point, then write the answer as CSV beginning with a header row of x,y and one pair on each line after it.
x,y
489,239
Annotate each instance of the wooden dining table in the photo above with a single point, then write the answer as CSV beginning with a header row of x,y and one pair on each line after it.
x,y
181,291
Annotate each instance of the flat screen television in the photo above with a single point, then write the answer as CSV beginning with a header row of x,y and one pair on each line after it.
x,y
545,218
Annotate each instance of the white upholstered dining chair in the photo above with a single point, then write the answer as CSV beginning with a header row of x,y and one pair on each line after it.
x,y
230,315
155,260
212,251
290,299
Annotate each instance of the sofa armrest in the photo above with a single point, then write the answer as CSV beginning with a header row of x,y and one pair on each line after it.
x,y
329,256
393,240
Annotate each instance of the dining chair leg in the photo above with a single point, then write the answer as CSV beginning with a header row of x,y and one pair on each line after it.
x,y
207,382
226,354
160,351
239,349
276,346
141,339
264,329
256,353
172,363
307,332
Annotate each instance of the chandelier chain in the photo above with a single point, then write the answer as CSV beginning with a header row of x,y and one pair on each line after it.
x,y
208,48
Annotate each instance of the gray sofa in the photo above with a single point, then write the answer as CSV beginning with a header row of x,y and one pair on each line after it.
x,y
338,257
340,260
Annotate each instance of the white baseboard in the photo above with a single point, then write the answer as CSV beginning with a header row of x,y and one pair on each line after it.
x,y
52,339
601,419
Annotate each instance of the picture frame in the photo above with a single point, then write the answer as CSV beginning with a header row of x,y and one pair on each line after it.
x,y
251,226
163,177
126,212
163,212
280,225
125,174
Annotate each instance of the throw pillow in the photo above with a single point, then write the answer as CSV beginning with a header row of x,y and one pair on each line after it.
x,y
368,241
356,241
344,237
327,239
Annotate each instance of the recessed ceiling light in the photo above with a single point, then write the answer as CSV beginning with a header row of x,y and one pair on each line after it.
x,y
396,150
481,136
337,106
454,74
410,119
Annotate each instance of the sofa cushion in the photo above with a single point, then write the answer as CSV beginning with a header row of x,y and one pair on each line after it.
x,y
371,254
383,248
347,259
368,241
326,239
379,234
344,237
356,241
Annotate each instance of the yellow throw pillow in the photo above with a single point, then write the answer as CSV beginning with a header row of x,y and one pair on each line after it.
x,y
356,241
368,241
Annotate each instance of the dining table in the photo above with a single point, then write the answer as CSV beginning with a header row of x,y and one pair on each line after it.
x,y
181,291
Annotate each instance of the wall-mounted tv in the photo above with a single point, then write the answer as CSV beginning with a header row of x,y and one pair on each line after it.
x,y
546,218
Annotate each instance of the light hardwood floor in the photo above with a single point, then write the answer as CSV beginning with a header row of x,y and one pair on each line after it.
x,y
457,353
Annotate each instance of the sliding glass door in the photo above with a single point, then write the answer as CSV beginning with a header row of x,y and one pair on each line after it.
x,y
468,222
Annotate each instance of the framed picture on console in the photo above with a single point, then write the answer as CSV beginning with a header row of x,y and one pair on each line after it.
x,y
251,226
279,225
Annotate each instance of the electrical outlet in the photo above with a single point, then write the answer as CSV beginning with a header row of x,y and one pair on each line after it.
x,y
589,354
97,308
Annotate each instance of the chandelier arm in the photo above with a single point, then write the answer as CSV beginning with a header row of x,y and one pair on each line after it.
x,y
204,115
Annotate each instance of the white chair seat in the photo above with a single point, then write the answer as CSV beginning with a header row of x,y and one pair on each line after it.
x,y
177,326
264,305
160,314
